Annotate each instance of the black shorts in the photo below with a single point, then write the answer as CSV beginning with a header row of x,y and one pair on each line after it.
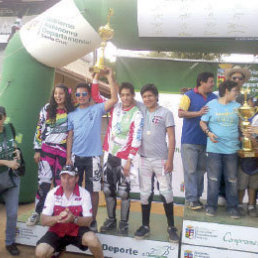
x,y
59,243
93,172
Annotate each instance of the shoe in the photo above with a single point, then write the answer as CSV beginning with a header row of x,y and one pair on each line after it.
x,y
173,237
252,212
234,213
241,209
196,205
142,232
12,249
94,226
123,227
109,224
210,211
33,219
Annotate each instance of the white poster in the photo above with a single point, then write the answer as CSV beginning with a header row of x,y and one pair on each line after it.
x,y
113,246
191,251
197,18
59,36
220,235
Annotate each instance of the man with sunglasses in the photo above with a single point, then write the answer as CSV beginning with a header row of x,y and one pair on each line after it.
x,y
68,213
240,76
84,146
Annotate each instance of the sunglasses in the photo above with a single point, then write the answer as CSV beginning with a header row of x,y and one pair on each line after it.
x,y
234,78
83,94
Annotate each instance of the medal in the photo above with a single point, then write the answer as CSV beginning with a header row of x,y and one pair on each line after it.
x,y
148,132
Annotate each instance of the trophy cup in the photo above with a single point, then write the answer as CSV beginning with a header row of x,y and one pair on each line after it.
x,y
246,112
106,33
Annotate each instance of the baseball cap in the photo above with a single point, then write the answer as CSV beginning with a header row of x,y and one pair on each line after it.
x,y
69,169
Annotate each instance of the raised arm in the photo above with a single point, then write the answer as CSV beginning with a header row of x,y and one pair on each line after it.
x,y
95,94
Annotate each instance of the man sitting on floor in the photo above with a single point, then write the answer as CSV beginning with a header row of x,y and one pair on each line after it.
x,y
68,213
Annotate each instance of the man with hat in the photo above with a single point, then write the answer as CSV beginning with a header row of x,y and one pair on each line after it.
x,y
245,181
68,213
240,76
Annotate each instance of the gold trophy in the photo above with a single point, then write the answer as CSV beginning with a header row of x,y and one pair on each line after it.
x,y
246,112
106,33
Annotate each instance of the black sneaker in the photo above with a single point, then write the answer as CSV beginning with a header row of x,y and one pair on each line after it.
x,y
234,213
196,205
94,226
173,237
12,249
109,224
123,227
142,232
210,211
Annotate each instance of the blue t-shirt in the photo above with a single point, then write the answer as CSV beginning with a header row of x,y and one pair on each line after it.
x,y
86,126
191,131
223,121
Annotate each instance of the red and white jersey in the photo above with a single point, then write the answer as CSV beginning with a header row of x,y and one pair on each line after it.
x,y
79,204
124,132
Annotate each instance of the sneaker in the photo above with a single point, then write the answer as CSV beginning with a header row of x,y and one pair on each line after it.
x,y
173,237
142,232
241,209
33,219
12,249
252,212
109,224
196,205
210,211
94,226
234,213
123,227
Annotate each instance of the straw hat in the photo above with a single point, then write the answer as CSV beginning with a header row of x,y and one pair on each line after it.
x,y
238,69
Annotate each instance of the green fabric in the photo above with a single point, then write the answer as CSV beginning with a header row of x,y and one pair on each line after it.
x,y
6,153
168,76
25,87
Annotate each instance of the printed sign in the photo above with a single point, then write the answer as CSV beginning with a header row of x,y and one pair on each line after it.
x,y
191,251
113,246
220,235
59,36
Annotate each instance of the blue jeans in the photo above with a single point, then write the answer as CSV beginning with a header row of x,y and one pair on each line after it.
x,y
11,199
194,163
218,165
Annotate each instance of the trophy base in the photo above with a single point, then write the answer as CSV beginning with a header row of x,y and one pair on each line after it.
x,y
247,154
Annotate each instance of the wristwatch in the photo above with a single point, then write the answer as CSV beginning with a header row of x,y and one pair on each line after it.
x,y
75,221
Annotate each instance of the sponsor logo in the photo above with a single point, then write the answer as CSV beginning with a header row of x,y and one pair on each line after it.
x,y
189,232
188,254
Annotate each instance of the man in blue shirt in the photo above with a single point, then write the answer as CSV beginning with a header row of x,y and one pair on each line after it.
x,y
193,140
84,146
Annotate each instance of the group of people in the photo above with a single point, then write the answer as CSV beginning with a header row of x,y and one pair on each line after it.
x,y
210,141
68,148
